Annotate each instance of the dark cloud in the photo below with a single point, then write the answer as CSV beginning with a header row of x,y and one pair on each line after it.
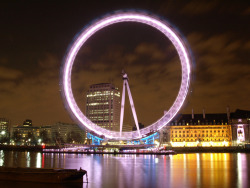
x,y
9,74
221,72
198,7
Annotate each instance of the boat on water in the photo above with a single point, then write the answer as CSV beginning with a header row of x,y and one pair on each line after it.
x,y
43,175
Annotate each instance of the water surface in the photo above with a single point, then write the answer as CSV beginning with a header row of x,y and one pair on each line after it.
x,y
128,171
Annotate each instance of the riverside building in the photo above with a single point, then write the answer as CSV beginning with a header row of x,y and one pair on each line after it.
x,y
25,134
200,135
4,130
103,105
192,130
4,125
220,129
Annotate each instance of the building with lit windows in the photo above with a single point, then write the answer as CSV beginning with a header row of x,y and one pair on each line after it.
x,y
66,133
192,130
103,105
221,129
4,130
25,134
4,125
200,135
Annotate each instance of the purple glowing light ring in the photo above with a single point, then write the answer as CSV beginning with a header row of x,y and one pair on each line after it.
x,y
91,30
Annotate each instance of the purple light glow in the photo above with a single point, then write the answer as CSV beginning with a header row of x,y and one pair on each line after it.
x,y
91,30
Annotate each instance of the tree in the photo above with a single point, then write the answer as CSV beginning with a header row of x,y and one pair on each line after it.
x,y
31,139
17,137
44,137
74,137
57,138
4,139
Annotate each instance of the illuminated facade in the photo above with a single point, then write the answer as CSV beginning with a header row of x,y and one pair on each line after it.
x,y
240,121
201,135
204,130
103,105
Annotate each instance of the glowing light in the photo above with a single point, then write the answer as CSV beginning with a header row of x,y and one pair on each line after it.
x,y
240,134
154,22
203,144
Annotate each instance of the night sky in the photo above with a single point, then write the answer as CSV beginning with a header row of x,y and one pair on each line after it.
x,y
35,36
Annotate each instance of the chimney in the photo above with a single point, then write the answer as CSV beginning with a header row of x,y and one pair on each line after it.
x,y
204,116
228,113
192,113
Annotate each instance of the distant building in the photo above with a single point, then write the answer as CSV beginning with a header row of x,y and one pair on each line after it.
x,y
27,123
103,105
67,133
25,134
4,130
4,125
127,128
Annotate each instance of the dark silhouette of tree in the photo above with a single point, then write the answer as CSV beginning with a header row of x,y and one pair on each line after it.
x,y
57,138
4,139
44,137
31,139
74,137
17,137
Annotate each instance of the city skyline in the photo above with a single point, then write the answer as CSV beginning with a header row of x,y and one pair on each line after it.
x,y
37,35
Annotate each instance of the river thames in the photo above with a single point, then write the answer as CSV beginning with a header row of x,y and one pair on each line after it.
x,y
128,171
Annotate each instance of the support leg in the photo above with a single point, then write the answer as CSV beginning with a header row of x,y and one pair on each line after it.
x,y
122,106
133,108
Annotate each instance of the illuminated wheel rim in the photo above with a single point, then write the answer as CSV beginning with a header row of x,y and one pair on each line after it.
x,y
152,21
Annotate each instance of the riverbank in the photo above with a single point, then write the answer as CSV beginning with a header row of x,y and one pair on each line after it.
x,y
22,148
170,150
230,149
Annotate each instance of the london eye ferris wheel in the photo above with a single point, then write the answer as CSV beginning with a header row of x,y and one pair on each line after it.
x,y
119,17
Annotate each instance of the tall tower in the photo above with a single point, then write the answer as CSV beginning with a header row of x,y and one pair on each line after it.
x,y
103,105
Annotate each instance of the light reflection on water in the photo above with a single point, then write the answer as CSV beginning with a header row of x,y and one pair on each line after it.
x,y
182,170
